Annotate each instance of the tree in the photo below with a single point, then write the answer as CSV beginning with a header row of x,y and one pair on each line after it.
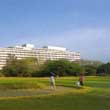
x,y
61,67
21,68
90,69
104,69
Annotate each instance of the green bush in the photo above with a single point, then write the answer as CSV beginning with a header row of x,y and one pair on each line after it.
x,y
60,67
20,68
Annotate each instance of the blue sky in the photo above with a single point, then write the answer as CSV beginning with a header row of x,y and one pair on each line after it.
x,y
79,25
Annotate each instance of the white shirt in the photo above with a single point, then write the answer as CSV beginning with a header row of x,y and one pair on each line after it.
x,y
52,79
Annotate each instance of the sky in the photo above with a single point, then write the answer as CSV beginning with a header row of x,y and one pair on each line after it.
x,y
79,25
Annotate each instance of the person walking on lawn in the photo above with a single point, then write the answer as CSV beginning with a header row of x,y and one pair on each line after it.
x,y
52,81
81,79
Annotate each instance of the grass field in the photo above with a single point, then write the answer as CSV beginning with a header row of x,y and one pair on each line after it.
x,y
34,94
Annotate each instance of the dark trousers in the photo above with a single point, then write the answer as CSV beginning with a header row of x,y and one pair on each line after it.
x,y
81,83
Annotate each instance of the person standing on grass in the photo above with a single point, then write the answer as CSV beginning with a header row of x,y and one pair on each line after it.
x,y
52,81
81,79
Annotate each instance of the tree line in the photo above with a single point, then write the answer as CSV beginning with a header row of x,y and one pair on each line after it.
x,y
30,67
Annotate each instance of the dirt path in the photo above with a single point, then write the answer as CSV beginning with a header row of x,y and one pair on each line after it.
x,y
30,92
20,93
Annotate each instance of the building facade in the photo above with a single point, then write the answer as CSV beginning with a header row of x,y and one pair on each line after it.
x,y
42,54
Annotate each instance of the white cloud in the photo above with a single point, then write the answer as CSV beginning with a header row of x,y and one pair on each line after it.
x,y
93,43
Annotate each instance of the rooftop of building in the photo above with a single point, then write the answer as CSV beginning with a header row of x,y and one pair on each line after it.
x,y
32,47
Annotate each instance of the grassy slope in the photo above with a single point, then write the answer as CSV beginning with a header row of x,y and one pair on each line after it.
x,y
20,83
97,99
67,102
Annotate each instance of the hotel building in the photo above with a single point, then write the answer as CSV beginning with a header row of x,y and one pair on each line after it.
x,y
42,54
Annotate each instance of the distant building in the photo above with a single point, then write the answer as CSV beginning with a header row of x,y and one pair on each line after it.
x,y
42,54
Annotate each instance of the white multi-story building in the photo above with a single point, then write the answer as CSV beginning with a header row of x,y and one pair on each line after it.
x,y
42,54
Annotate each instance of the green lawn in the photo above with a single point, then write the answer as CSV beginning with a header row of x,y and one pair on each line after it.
x,y
97,97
